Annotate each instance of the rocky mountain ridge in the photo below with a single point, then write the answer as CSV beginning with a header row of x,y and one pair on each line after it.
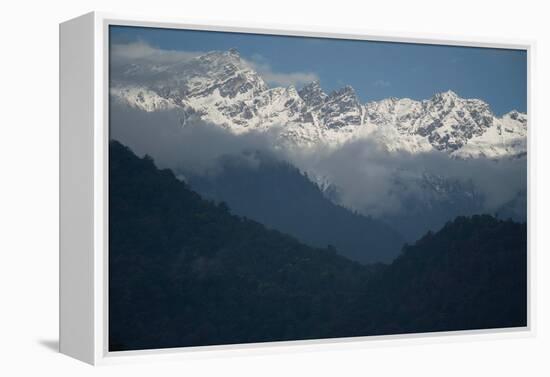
x,y
222,88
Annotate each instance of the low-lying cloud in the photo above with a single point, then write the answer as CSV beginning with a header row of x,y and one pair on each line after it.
x,y
369,179
376,182
195,147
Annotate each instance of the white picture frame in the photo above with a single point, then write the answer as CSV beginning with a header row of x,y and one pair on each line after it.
x,y
84,189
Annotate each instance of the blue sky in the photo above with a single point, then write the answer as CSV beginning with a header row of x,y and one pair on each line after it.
x,y
376,70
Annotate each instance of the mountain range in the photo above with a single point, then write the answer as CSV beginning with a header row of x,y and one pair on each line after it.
x,y
185,271
281,197
222,88
416,167
238,212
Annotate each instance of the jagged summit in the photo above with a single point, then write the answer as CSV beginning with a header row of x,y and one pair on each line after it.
x,y
313,85
346,90
341,109
312,94
345,94
448,94
222,88
516,115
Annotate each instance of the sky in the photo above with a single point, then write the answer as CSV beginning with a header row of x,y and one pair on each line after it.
x,y
376,70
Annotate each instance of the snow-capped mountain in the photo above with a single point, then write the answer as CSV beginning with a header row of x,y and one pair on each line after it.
x,y
223,89
446,122
388,177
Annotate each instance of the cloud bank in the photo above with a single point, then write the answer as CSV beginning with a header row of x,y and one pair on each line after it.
x,y
124,57
195,147
264,69
376,182
368,179
140,51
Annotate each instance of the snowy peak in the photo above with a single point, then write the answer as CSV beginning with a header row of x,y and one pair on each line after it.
x,y
313,95
345,97
347,92
141,98
393,112
516,116
451,121
224,72
220,87
446,120
447,97
341,109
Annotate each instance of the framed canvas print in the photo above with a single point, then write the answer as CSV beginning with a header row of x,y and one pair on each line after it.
x,y
225,187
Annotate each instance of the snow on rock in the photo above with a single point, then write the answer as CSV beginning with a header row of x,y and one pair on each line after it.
x,y
141,98
221,88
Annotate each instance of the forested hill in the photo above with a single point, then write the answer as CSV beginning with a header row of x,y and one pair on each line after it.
x,y
185,271
279,196
472,274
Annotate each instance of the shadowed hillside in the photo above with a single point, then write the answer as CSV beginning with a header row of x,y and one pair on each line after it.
x,y
279,196
472,274
184,271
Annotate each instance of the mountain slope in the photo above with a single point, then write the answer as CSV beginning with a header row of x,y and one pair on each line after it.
x,y
222,88
472,274
281,197
315,131
184,271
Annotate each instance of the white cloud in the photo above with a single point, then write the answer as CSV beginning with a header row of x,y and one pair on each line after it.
x,y
143,52
369,179
264,69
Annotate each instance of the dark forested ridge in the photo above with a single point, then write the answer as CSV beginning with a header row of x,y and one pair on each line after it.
x,y
279,196
184,271
472,274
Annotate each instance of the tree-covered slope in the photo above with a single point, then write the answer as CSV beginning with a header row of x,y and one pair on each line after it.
x,y
279,196
184,271
472,274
